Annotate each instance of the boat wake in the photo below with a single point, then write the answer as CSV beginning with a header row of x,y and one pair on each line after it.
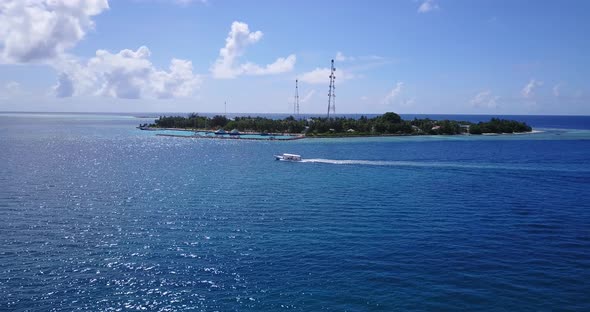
x,y
392,163
352,162
430,164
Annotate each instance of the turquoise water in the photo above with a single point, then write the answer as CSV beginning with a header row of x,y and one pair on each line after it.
x,y
99,216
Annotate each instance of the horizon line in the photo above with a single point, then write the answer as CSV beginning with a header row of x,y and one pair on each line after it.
x,y
288,114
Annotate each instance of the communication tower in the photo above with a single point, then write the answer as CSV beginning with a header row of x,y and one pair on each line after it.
x,y
296,103
331,93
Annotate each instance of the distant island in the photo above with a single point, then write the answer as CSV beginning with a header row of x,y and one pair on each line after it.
x,y
386,124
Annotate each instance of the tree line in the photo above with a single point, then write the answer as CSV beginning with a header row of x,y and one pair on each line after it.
x,y
386,124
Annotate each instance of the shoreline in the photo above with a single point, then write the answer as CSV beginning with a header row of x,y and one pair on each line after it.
x,y
292,136
213,131
233,137
418,135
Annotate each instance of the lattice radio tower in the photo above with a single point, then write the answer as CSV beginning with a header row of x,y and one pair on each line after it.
x,y
296,103
331,94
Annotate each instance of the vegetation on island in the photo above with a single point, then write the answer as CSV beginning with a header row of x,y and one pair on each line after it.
x,y
496,125
386,124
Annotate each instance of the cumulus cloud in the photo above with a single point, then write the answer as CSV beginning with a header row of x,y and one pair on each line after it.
x,y
64,87
485,99
322,76
238,39
40,30
427,6
529,89
281,65
128,74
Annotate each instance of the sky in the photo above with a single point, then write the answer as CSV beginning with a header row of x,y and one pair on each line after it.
x,y
405,56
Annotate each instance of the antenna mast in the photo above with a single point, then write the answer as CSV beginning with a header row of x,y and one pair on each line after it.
x,y
331,94
296,104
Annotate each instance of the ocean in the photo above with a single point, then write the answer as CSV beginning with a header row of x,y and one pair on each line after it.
x,y
96,215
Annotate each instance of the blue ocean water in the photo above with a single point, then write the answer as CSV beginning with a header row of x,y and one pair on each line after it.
x,y
97,215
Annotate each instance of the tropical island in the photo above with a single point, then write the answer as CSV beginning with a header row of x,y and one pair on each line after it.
x,y
385,125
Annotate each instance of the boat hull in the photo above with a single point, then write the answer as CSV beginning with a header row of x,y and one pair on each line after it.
x,y
288,157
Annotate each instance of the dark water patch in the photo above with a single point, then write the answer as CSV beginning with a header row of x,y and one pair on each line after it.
x,y
107,220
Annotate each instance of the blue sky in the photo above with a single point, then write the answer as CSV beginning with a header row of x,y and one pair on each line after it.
x,y
426,56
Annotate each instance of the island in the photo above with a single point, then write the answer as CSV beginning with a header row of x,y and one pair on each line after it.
x,y
388,124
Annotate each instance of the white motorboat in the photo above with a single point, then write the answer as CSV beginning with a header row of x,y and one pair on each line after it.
x,y
288,157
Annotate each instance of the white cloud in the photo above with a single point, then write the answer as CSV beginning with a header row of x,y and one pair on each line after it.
x,y
281,65
529,89
238,39
342,58
64,86
485,99
318,75
307,96
427,6
128,74
322,76
41,30
395,96
394,93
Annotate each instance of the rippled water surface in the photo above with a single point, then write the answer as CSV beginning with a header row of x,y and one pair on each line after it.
x,y
99,216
